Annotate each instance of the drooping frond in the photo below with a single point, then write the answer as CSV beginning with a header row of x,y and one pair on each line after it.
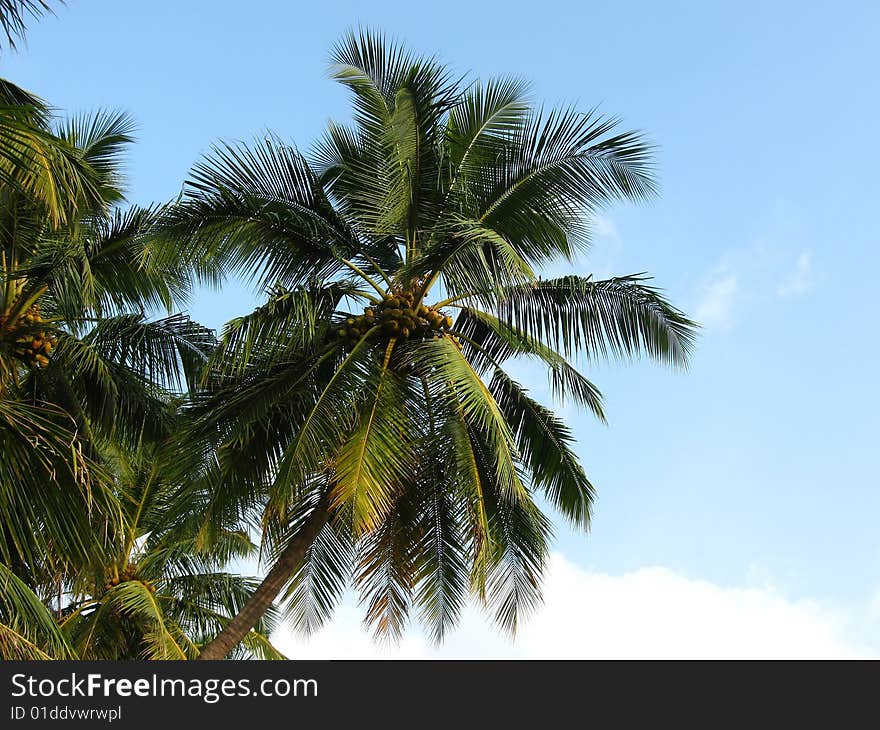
x,y
545,446
517,542
442,573
316,587
488,343
169,352
375,458
328,421
559,168
385,571
520,534
134,599
53,496
458,384
28,630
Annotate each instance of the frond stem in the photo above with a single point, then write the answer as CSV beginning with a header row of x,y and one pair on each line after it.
x,y
360,272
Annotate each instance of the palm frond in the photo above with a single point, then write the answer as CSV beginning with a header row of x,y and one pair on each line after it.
x,y
327,422
442,575
375,458
291,321
43,168
488,343
557,170
28,630
482,123
13,14
457,384
101,137
53,496
621,317
544,444
169,352
316,587
385,571
517,542
257,210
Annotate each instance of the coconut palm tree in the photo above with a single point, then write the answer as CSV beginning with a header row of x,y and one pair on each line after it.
x,y
84,370
87,378
157,594
160,595
363,417
89,382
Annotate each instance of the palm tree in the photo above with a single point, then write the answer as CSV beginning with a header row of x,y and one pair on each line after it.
x,y
84,371
88,381
157,595
362,417
160,595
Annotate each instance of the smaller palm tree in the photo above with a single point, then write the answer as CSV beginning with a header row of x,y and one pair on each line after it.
x,y
160,595
155,595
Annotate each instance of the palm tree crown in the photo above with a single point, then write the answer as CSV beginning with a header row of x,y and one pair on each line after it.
x,y
160,595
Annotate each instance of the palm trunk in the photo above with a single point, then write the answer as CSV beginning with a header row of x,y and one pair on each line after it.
x,y
288,561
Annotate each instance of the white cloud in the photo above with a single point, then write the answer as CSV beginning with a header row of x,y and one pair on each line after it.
x,y
800,280
605,227
717,298
648,613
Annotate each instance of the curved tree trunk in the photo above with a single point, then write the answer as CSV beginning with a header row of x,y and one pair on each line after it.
x,y
288,561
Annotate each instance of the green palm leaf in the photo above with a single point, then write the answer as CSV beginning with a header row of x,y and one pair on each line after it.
x,y
28,630
545,445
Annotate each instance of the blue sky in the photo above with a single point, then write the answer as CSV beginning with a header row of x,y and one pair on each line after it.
x,y
753,471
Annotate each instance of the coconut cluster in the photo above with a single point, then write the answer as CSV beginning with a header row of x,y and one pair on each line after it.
x,y
129,572
33,348
400,315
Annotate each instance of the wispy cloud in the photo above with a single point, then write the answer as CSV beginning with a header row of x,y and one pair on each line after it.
x,y
717,299
799,281
647,613
604,227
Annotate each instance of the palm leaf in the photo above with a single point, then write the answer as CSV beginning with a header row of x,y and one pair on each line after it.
x,y
28,630
13,14
544,444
